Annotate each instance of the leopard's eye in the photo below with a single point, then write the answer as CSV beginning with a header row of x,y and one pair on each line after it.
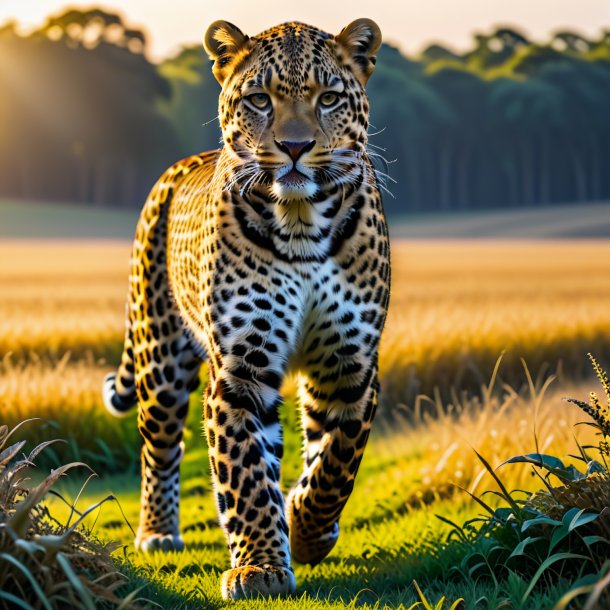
x,y
328,99
259,100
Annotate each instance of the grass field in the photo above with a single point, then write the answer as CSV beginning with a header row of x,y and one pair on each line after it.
x,y
390,535
455,307
589,220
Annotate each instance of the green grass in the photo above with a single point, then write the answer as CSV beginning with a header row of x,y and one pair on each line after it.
x,y
389,538
375,560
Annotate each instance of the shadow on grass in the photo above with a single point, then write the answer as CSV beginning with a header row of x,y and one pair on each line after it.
x,y
379,579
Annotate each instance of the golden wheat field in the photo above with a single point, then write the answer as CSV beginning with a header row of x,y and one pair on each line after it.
x,y
454,305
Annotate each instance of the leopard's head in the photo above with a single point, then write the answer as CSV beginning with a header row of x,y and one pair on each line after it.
x,y
293,108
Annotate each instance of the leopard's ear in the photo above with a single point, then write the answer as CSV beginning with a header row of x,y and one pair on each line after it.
x,y
361,39
223,42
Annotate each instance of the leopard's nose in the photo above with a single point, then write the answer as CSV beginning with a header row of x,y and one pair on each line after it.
x,y
295,150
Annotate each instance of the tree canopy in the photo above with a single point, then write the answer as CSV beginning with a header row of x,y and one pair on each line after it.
x,y
85,116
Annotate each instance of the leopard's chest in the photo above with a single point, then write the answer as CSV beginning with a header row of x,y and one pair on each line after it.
x,y
247,277
342,308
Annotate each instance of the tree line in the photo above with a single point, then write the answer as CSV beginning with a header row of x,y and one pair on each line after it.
x,y
85,117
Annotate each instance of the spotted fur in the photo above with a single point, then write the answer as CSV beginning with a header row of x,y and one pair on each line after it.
x,y
266,256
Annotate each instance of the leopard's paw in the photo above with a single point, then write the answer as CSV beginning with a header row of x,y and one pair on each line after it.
x,y
257,581
153,541
312,549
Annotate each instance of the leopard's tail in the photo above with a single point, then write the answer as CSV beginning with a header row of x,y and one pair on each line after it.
x,y
119,388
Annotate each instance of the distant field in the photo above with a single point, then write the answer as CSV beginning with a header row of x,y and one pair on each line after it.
x,y
20,219
36,220
455,306
555,222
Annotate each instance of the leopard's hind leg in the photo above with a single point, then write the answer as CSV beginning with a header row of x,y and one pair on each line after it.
x,y
159,369
163,385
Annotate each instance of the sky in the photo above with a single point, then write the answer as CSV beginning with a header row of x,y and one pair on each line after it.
x,y
409,24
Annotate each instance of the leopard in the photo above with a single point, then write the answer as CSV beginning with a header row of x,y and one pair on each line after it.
x,y
267,257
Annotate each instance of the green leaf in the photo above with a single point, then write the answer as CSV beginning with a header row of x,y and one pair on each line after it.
x,y
540,459
520,548
559,534
582,518
472,570
456,528
496,478
589,540
550,463
595,467
541,520
546,564
478,500
504,513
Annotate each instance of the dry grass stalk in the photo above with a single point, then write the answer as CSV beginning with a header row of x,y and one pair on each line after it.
x,y
43,563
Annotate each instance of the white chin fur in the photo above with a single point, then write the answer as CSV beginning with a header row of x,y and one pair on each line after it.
x,y
301,191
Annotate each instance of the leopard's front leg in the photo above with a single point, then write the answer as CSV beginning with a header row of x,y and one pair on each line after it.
x,y
336,426
245,448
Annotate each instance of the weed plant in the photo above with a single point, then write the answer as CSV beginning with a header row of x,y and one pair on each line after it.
x,y
560,533
45,563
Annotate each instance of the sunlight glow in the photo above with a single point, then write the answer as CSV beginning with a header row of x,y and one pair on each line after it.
x,y
410,25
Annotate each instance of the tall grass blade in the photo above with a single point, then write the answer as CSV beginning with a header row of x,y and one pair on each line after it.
x,y
503,489
478,501
28,574
15,600
75,581
547,564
